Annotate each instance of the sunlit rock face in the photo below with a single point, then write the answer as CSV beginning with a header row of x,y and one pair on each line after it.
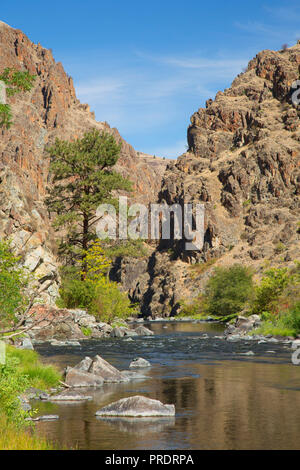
x,y
243,164
51,110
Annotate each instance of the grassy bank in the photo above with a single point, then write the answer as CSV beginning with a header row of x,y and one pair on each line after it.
x,y
14,438
22,370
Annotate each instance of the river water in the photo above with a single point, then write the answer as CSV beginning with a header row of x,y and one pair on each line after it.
x,y
223,399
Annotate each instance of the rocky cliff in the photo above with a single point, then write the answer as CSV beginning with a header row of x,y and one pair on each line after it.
x,y
49,111
243,163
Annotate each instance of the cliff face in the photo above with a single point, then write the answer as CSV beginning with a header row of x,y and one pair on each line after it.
x,y
243,163
49,111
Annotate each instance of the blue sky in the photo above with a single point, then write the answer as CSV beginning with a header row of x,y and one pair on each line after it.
x,y
145,67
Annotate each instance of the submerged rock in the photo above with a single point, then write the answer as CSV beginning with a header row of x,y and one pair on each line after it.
x,y
44,418
64,343
70,397
139,362
137,406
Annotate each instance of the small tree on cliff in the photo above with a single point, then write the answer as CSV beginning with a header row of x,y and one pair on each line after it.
x,y
83,178
13,81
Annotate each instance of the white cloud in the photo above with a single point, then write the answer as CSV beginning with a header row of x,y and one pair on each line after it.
x,y
99,89
155,93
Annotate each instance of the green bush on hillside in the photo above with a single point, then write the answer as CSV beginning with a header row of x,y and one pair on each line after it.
x,y
228,290
270,289
13,281
129,248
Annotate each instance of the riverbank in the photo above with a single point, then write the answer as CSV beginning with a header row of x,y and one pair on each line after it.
x,y
22,376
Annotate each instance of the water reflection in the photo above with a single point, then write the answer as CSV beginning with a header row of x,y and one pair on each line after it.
x,y
139,426
222,400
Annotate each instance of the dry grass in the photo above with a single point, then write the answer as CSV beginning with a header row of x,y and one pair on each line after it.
x,y
200,268
13,438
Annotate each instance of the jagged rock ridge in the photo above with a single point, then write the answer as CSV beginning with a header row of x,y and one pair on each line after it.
x,y
243,163
49,111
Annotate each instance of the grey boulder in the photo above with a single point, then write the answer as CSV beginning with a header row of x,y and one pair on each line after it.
x,y
80,378
106,371
143,331
137,406
139,362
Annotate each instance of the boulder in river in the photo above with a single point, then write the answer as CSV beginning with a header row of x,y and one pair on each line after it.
x,y
296,344
85,364
44,418
70,396
139,362
80,378
137,406
143,331
106,371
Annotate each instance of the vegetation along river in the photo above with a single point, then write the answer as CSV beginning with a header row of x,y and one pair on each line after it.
x,y
223,398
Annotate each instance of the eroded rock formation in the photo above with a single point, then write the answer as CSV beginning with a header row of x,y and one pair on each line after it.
x,y
51,110
243,164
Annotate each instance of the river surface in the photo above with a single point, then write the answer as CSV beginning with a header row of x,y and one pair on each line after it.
x,y
223,399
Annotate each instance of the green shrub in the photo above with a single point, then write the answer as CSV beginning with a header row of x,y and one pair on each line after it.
x,y
228,290
28,364
86,331
75,293
110,303
129,248
192,309
16,81
104,300
291,318
269,328
270,289
12,384
13,281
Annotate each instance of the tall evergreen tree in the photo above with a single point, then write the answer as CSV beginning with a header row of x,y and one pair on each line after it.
x,y
83,178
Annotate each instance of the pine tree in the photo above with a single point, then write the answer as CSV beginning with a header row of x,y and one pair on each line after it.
x,y
83,178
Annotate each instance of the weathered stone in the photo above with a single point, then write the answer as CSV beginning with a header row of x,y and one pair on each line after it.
x,y
26,344
139,362
44,418
137,406
85,364
79,378
117,333
143,331
296,344
106,371
70,397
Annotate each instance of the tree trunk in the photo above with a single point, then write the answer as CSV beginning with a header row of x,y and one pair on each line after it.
x,y
85,234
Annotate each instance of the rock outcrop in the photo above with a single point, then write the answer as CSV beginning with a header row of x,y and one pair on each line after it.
x,y
137,406
243,164
51,110
93,373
